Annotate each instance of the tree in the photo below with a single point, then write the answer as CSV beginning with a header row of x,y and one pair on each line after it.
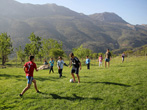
x,y
21,54
56,52
50,45
5,47
81,52
40,54
95,55
101,54
35,45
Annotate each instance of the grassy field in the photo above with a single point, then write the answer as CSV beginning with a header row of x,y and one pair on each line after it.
x,y
123,86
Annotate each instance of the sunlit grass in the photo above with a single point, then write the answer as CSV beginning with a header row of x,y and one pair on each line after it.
x,y
123,86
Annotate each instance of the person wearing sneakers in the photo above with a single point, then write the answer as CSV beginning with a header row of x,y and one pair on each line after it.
x,y
76,64
29,70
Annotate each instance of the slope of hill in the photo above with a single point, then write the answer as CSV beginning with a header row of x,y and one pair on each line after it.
x,y
97,32
108,17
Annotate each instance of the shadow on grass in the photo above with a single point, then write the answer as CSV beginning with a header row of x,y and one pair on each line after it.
x,y
10,76
11,65
4,107
19,77
44,79
112,83
49,78
55,96
123,66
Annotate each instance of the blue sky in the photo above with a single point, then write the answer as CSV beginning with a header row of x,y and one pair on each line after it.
x,y
132,11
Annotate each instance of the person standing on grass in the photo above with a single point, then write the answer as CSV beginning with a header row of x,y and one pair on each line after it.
x,y
123,57
100,59
107,58
75,68
29,70
51,65
88,62
60,64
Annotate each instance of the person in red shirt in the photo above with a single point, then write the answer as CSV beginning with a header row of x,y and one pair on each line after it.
x,y
29,70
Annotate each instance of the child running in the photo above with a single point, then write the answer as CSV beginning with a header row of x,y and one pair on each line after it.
x,y
29,70
100,60
75,68
60,64
51,65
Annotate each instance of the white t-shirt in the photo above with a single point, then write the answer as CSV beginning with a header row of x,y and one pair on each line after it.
x,y
60,64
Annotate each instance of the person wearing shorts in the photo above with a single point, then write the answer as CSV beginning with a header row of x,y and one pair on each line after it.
x,y
29,70
107,58
76,64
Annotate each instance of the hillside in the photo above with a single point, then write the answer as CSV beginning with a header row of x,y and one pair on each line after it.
x,y
108,17
97,32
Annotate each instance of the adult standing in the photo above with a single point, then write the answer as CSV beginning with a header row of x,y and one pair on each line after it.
x,y
107,58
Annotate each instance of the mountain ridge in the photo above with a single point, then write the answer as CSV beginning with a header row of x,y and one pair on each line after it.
x,y
108,17
97,32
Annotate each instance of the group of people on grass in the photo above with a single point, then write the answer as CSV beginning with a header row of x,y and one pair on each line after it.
x,y
30,66
75,63
100,59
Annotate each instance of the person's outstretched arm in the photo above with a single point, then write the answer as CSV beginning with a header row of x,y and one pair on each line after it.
x,y
65,64
24,69
36,68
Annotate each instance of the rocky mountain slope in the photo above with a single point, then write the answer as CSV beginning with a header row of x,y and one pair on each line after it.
x,y
97,32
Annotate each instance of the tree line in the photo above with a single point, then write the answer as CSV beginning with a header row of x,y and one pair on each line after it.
x,y
41,48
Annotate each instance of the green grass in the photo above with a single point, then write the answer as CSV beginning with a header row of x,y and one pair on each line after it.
x,y
120,87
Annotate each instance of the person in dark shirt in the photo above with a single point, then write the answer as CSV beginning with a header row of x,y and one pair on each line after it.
x,y
107,58
76,64
123,57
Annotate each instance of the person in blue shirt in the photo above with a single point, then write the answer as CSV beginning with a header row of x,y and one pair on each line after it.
x,y
51,65
88,62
